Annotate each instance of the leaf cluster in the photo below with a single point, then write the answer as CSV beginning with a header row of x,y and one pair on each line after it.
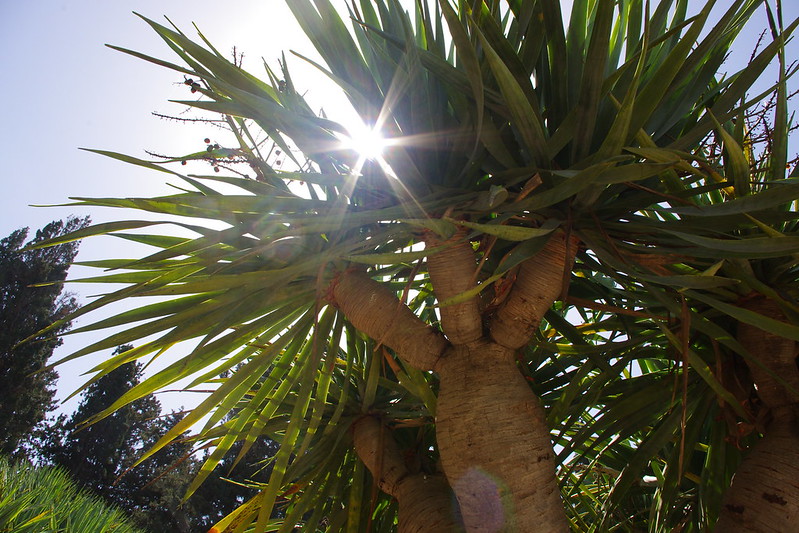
x,y
509,123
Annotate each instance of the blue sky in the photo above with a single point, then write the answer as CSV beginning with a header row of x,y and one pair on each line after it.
x,y
62,89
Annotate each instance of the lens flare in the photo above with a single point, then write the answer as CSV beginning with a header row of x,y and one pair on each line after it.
x,y
366,142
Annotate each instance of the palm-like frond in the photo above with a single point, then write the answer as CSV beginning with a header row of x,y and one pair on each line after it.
x,y
507,128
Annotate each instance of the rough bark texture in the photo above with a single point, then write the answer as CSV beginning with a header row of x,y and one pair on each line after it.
x,y
376,311
452,270
537,286
495,445
777,354
491,430
764,496
425,502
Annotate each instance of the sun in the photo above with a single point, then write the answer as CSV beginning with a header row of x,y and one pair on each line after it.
x,y
367,142
370,145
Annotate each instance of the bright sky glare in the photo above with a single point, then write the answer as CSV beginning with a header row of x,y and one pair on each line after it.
x,y
367,142
371,146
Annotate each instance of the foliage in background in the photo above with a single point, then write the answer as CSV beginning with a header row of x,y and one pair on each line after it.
x,y
100,458
31,299
96,456
45,500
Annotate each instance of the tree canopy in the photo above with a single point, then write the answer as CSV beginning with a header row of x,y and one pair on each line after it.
x,y
98,455
568,239
31,298
100,458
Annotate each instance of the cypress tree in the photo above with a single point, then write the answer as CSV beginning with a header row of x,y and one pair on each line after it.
x,y
31,298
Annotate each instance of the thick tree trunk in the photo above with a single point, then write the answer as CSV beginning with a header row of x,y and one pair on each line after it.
x,y
426,502
764,496
495,445
491,430
490,427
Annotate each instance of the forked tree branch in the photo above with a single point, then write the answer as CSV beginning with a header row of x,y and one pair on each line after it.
x,y
425,501
376,311
379,452
539,283
451,273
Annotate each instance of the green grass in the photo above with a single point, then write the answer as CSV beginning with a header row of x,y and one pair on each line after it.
x,y
45,499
